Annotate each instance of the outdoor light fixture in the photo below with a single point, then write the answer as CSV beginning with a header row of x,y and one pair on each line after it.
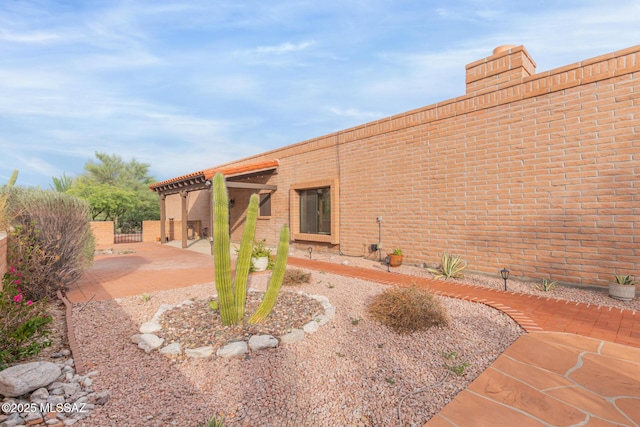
x,y
505,275
310,249
232,203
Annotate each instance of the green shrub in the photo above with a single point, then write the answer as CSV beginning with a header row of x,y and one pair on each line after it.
x,y
407,310
450,267
295,276
22,322
50,242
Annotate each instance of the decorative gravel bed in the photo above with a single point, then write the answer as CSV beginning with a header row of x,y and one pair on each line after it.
x,y
353,371
197,325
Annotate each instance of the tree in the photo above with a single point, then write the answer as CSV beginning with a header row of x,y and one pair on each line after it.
x,y
117,190
62,184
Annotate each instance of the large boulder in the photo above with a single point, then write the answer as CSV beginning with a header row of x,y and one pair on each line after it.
x,y
21,379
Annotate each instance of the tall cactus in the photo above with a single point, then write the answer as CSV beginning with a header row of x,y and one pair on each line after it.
x,y
275,283
232,295
243,263
221,251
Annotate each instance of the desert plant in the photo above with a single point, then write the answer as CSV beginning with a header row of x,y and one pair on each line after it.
x,y
215,421
260,250
626,280
407,310
295,276
397,251
450,267
232,295
275,282
22,321
50,241
546,285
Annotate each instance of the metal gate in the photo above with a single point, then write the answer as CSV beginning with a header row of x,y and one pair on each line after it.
x,y
127,232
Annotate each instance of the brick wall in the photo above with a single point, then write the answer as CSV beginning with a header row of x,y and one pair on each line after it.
x,y
537,173
150,231
103,233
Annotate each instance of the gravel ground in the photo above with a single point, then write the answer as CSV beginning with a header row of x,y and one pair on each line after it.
x,y
353,371
588,296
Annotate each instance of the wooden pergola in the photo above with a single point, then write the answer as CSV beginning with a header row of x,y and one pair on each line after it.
x,y
201,180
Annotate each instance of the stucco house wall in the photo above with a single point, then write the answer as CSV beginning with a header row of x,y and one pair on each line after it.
x,y
537,173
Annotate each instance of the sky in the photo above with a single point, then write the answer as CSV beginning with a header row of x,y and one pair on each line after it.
x,y
185,85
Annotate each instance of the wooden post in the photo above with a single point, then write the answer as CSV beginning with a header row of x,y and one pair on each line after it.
x,y
183,195
163,217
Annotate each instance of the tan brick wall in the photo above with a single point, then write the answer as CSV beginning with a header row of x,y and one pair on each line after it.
x,y
150,231
537,174
103,233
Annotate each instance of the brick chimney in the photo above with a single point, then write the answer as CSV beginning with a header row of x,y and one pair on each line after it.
x,y
508,63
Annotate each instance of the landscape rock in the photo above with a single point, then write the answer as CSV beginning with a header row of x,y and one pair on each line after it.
x,y
322,320
150,342
20,379
39,395
311,327
102,397
293,336
161,310
330,312
199,352
234,349
173,349
260,342
150,327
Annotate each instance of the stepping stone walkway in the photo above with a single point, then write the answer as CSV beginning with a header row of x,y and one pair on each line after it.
x,y
149,342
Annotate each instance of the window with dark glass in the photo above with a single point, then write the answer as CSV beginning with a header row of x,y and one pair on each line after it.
x,y
265,204
315,211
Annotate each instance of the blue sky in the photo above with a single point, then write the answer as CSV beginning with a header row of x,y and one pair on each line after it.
x,y
190,84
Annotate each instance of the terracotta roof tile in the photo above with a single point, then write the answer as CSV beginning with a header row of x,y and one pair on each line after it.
x,y
227,171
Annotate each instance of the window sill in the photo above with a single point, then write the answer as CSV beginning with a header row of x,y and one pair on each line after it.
x,y
322,238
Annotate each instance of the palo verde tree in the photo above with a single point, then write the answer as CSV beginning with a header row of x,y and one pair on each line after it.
x,y
232,295
116,190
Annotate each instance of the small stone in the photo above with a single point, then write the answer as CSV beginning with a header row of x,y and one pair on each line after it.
x,y
65,352
185,302
345,262
161,310
293,336
150,327
311,327
260,342
70,389
199,352
56,399
136,338
102,397
330,312
150,342
233,349
39,394
87,382
322,320
173,349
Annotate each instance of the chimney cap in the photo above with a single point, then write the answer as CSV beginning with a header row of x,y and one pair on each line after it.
x,y
503,48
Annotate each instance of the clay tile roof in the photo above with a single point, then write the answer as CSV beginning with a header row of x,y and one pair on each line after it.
x,y
227,171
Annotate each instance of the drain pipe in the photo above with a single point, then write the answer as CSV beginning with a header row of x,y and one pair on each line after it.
x,y
379,219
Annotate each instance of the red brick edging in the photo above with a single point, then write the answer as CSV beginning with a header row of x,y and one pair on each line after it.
x,y
71,336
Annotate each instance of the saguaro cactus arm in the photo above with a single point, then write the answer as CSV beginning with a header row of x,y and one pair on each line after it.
x,y
275,283
243,263
221,251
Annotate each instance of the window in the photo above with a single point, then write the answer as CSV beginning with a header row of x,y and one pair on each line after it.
x,y
315,211
265,204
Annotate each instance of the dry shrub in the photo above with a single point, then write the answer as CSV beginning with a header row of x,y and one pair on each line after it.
x,y
295,276
407,310
50,242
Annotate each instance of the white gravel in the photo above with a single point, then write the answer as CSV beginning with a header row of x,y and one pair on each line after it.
x,y
344,374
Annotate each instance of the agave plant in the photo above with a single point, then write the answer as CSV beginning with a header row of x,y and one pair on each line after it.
x,y
626,280
450,267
